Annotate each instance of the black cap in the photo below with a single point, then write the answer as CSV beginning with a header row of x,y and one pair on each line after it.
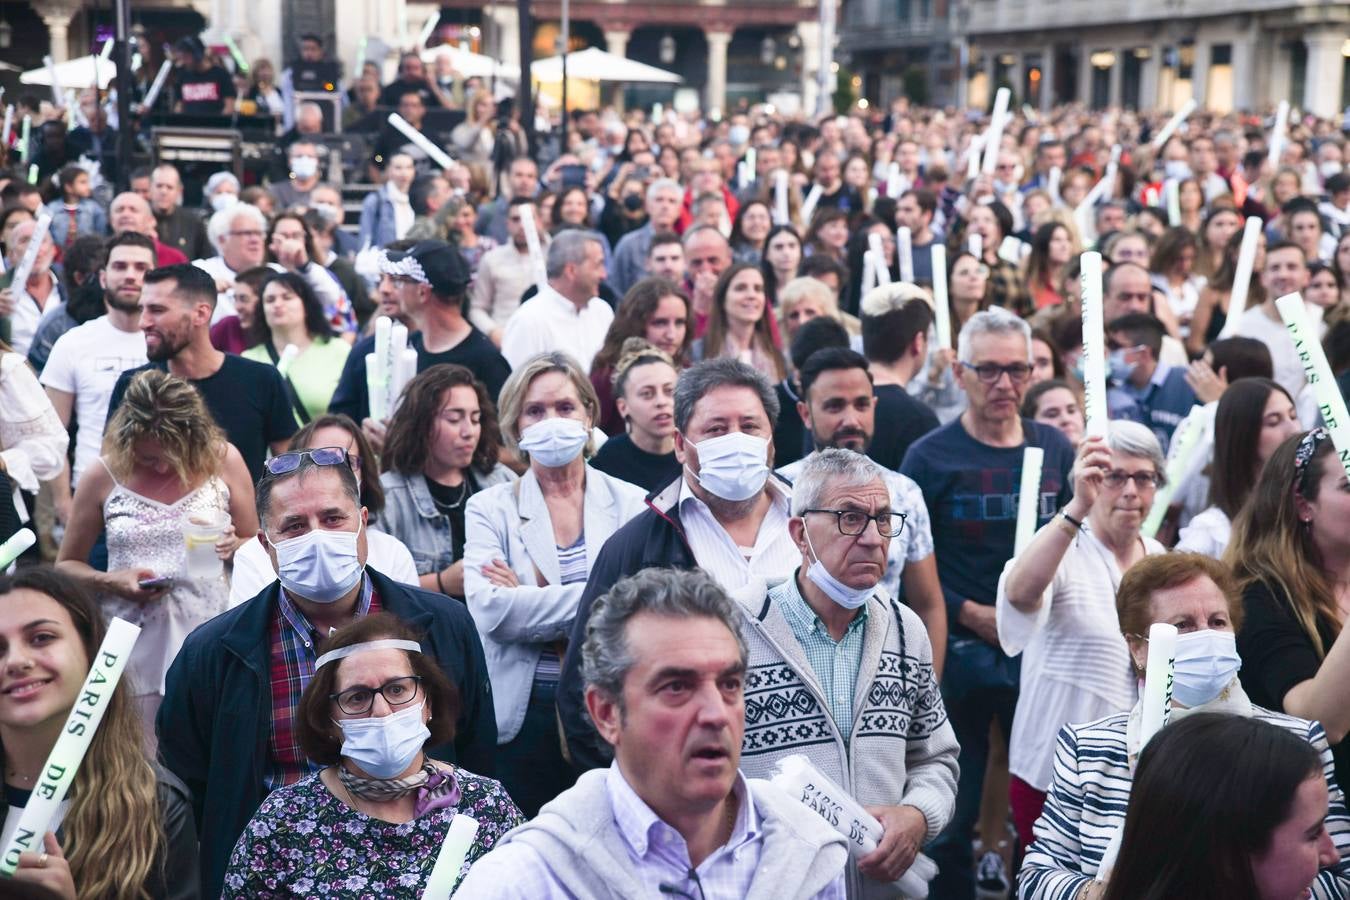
x,y
434,263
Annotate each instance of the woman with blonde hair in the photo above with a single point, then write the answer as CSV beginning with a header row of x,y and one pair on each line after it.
x,y
803,299
165,466
530,547
126,831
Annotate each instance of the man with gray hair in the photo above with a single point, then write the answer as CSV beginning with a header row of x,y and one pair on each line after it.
x,y
854,666
567,313
664,197
726,515
665,667
969,471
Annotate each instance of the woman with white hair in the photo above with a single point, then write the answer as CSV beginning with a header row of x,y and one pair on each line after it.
x,y
1053,604
805,298
221,191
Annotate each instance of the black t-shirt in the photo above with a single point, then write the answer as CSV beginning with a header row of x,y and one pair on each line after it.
x,y
247,399
623,459
790,440
1277,654
204,93
450,502
900,421
476,353
845,197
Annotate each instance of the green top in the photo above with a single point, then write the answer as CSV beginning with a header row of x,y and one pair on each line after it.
x,y
835,663
314,372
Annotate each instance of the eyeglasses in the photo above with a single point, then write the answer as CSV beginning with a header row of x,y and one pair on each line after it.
x,y
247,234
283,463
1142,480
396,692
990,373
852,523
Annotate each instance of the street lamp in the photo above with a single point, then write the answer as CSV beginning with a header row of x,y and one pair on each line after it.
x,y
768,49
667,49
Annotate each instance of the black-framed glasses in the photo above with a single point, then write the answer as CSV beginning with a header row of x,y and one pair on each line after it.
x,y
396,692
322,456
990,373
1142,480
852,522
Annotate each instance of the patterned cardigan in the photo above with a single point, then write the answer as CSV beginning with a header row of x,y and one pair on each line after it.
x,y
898,750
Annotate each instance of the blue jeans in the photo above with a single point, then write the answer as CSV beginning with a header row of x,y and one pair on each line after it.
x,y
531,765
978,686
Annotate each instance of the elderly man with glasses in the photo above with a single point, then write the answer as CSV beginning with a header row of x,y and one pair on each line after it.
x,y
854,667
227,724
969,471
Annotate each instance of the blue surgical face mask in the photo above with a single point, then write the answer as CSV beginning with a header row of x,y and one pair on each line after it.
x,y
1207,661
836,590
385,746
1120,368
320,565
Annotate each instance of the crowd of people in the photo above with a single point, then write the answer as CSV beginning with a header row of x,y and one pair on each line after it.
x,y
684,484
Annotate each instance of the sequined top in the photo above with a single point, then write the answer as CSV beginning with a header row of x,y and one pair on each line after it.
x,y
146,534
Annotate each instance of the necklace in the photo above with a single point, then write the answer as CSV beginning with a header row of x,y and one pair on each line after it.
x,y
459,501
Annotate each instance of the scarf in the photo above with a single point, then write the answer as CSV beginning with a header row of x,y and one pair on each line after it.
x,y
1231,700
435,789
403,211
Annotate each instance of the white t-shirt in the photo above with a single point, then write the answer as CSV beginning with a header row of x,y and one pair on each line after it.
x,y
85,362
549,321
253,570
1288,369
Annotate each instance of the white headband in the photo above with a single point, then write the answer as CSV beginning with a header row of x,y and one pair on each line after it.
x,y
385,644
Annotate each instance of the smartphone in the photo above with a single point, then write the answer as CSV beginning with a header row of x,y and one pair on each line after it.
x,y
159,581
572,176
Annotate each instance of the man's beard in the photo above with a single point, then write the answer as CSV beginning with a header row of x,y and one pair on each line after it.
x,y
110,298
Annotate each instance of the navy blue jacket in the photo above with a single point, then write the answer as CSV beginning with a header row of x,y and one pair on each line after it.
x,y
216,718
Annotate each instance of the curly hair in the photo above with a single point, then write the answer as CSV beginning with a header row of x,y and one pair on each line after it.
x,y
408,442
630,321
166,409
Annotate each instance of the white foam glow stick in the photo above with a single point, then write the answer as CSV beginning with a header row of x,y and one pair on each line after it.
x,y
895,182
869,275
1242,275
438,156
879,260
18,543
942,314
64,761
1173,124
1172,190
752,160
378,365
975,243
51,76
1330,402
1028,497
405,370
71,107
809,205
288,356
1094,344
445,872
106,53
780,197
973,155
427,28
156,86
904,248
25,136
1277,134
994,141
29,258
743,173
1053,187
536,251
1186,440
9,123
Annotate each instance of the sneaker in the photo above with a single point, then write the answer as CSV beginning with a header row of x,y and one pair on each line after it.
x,y
991,876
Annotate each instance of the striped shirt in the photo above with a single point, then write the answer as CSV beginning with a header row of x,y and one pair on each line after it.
x,y
835,663
571,569
1091,790
773,557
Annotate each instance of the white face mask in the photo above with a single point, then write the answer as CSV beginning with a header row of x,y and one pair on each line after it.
x,y
554,443
385,746
1177,169
223,201
320,566
1206,663
305,166
1329,168
836,590
733,466
328,211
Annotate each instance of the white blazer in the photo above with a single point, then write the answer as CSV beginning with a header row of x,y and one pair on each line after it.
x,y
513,525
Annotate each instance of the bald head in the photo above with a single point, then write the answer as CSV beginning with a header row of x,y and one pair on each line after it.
x,y
131,212
166,189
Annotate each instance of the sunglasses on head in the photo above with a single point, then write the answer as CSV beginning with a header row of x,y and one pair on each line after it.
x,y
283,463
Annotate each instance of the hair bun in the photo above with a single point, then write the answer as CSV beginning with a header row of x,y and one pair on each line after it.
x,y
634,351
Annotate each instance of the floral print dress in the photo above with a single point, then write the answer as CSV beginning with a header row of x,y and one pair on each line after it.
x,y
305,842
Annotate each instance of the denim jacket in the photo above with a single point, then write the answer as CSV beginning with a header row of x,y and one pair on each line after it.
x,y
411,516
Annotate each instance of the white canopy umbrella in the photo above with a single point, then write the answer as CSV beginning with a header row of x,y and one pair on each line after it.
x,y
594,64
74,73
469,64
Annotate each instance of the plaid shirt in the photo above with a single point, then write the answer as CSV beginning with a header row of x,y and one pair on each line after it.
x,y
835,663
294,642
1007,289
